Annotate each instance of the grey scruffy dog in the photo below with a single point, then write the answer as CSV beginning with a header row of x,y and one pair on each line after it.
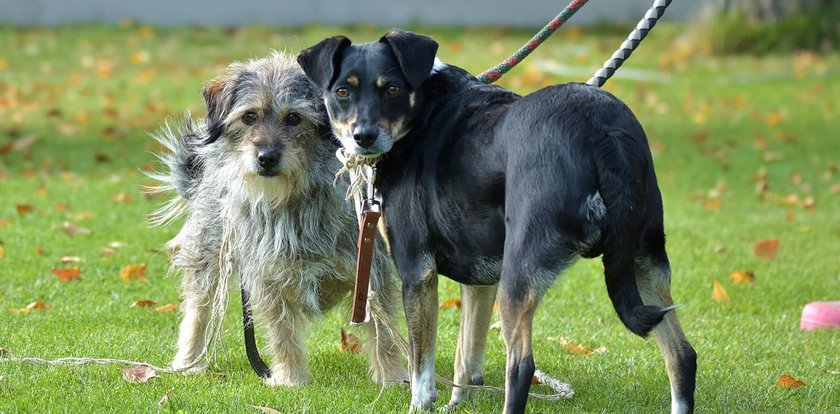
x,y
255,180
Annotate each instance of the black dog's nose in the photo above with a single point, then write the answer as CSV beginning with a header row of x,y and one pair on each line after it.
x,y
268,158
365,136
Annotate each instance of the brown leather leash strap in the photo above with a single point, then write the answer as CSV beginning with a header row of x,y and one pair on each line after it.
x,y
364,260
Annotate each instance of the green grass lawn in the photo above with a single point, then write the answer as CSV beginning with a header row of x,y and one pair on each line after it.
x,y
719,128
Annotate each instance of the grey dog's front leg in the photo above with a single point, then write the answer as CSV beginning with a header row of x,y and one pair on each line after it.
x,y
420,299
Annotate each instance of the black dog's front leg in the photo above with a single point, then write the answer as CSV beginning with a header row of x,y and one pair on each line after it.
x,y
420,299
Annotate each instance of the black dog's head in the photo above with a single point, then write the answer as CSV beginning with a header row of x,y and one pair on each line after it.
x,y
370,89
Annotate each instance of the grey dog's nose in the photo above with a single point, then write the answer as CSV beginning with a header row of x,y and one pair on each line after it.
x,y
268,158
364,136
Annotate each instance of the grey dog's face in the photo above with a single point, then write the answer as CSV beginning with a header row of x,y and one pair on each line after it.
x,y
266,117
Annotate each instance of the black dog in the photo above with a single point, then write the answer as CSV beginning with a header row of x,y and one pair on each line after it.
x,y
487,187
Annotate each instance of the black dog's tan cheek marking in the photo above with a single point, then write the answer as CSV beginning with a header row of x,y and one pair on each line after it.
x,y
380,81
353,80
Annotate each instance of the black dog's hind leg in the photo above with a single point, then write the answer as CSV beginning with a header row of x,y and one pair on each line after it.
x,y
532,259
653,277
476,311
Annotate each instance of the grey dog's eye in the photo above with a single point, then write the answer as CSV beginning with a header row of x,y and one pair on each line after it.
x,y
393,91
249,118
342,92
292,119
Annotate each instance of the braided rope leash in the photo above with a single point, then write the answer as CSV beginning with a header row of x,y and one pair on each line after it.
x,y
493,74
630,44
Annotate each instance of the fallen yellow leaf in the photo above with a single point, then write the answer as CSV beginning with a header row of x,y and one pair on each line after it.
x,y
37,305
577,349
167,308
451,303
143,303
742,277
719,293
133,272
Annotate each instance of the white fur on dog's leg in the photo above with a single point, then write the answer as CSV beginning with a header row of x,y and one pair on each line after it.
x,y
283,377
284,333
192,335
423,393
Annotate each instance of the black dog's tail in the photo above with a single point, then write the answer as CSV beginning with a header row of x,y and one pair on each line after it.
x,y
622,189
180,140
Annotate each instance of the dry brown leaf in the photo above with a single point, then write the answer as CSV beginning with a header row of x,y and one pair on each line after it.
x,y
350,343
122,198
143,303
133,272
791,199
68,274
139,375
24,209
74,230
451,303
167,308
788,382
742,277
577,349
42,191
3,223
790,215
37,305
713,204
107,252
773,119
766,249
809,203
719,293
835,188
535,381
39,250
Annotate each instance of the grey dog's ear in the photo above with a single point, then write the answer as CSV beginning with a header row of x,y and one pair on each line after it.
x,y
218,100
320,62
415,54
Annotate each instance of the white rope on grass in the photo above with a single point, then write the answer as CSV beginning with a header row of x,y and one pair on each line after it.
x,y
562,390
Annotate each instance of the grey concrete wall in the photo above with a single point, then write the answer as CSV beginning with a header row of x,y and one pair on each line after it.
x,y
295,13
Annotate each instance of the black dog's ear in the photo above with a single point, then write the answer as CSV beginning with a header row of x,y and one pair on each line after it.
x,y
218,103
415,54
320,62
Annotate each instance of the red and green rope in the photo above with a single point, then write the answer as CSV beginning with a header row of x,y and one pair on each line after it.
x,y
496,72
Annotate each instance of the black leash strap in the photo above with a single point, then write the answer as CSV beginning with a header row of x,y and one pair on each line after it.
x,y
250,342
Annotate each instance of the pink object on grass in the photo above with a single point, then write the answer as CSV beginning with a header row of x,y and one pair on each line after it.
x,y
820,315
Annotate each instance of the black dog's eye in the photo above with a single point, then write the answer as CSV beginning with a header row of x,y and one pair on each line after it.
x,y
249,118
342,92
292,119
393,91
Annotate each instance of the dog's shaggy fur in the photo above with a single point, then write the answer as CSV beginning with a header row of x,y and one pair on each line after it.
x,y
485,187
255,181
